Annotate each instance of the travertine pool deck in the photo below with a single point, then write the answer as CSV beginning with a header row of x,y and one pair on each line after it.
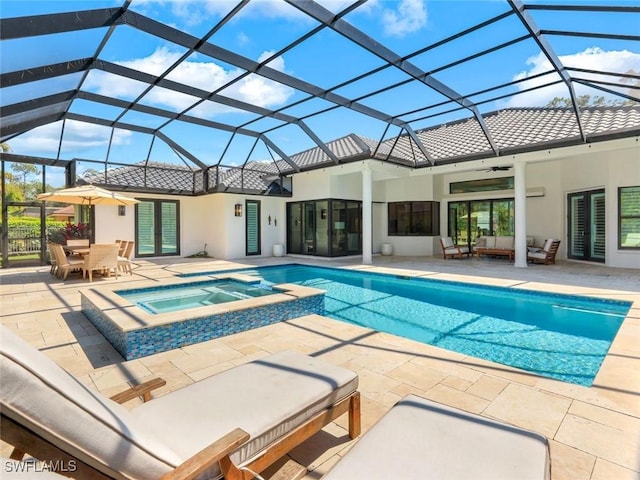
x,y
594,432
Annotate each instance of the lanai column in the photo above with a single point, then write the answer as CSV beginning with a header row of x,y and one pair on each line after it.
x,y
520,198
367,229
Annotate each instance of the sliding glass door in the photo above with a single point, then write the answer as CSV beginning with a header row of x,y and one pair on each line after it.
x,y
327,228
157,228
470,219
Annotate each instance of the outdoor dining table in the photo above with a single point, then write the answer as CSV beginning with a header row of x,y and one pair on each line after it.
x,y
76,250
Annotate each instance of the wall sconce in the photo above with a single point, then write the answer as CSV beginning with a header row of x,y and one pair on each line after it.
x,y
269,219
275,222
323,213
122,210
237,211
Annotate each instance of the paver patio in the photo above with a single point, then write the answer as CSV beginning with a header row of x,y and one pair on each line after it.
x,y
594,432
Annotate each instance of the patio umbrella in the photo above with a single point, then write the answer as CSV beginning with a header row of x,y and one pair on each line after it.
x,y
87,195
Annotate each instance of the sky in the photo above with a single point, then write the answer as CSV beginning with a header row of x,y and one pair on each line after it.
x,y
326,60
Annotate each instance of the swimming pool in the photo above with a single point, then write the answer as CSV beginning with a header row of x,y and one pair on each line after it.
x,y
560,336
193,295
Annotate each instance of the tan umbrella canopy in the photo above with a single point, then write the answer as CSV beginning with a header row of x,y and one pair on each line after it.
x,y
87,195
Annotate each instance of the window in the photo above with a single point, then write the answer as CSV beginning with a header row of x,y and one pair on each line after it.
x,y
629,217
473,218
482,185
414,218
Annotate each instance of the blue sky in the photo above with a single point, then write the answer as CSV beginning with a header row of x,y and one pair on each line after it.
x,y
326,60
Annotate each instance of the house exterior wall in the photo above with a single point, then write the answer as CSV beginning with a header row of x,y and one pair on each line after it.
x,y
210,218
416,188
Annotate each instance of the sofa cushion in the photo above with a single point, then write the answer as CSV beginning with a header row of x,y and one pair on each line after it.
x,y
481,242
504,242
420,439
267,398
40,395
490,242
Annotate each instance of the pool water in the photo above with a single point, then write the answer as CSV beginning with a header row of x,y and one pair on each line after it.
x,y
196,294
560,336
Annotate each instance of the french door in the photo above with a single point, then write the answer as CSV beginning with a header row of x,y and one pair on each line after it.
x,y
157,228
586,229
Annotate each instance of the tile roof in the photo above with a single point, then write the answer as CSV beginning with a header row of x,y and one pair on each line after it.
x,y
513,130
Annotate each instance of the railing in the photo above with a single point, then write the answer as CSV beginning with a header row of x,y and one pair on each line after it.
x,y
24,240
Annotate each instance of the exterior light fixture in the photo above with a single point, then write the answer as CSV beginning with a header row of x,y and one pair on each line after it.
x,y
238,210
269,220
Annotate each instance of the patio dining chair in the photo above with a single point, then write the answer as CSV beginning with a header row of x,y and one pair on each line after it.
x,y
546,254
449,249
233,423
102,257
53,260
64,263
124,259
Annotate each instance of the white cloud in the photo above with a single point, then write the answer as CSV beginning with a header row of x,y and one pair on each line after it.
x,y
409,16
207,76
594,58
78,137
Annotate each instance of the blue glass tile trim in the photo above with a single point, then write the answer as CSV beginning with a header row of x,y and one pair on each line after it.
x,y
147,341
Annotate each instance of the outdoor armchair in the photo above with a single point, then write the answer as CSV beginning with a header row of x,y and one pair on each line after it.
x,y
233,423
449,249
546,254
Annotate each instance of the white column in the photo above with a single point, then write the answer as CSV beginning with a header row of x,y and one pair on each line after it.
x,y
367,230
520,198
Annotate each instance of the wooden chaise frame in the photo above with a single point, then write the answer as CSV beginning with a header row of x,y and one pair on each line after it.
x,y
25,441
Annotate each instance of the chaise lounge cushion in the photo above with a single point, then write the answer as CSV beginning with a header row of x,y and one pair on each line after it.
x,y
266,398
40,395
420,439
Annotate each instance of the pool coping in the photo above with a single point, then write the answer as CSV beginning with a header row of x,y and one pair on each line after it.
x,y
128,316
136,332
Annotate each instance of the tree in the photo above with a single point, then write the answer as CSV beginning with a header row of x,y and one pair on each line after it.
x,y
586,101
25,169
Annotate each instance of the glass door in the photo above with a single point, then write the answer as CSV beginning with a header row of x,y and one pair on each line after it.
x,y
157,228
354,228
309,228
459,222
586,229
294,228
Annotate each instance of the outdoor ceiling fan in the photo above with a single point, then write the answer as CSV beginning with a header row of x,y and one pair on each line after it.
x,y
495,169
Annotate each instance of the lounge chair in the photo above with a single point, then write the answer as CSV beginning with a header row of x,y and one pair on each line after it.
x,y
449,249
420,439
103,257
546,254
198,431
